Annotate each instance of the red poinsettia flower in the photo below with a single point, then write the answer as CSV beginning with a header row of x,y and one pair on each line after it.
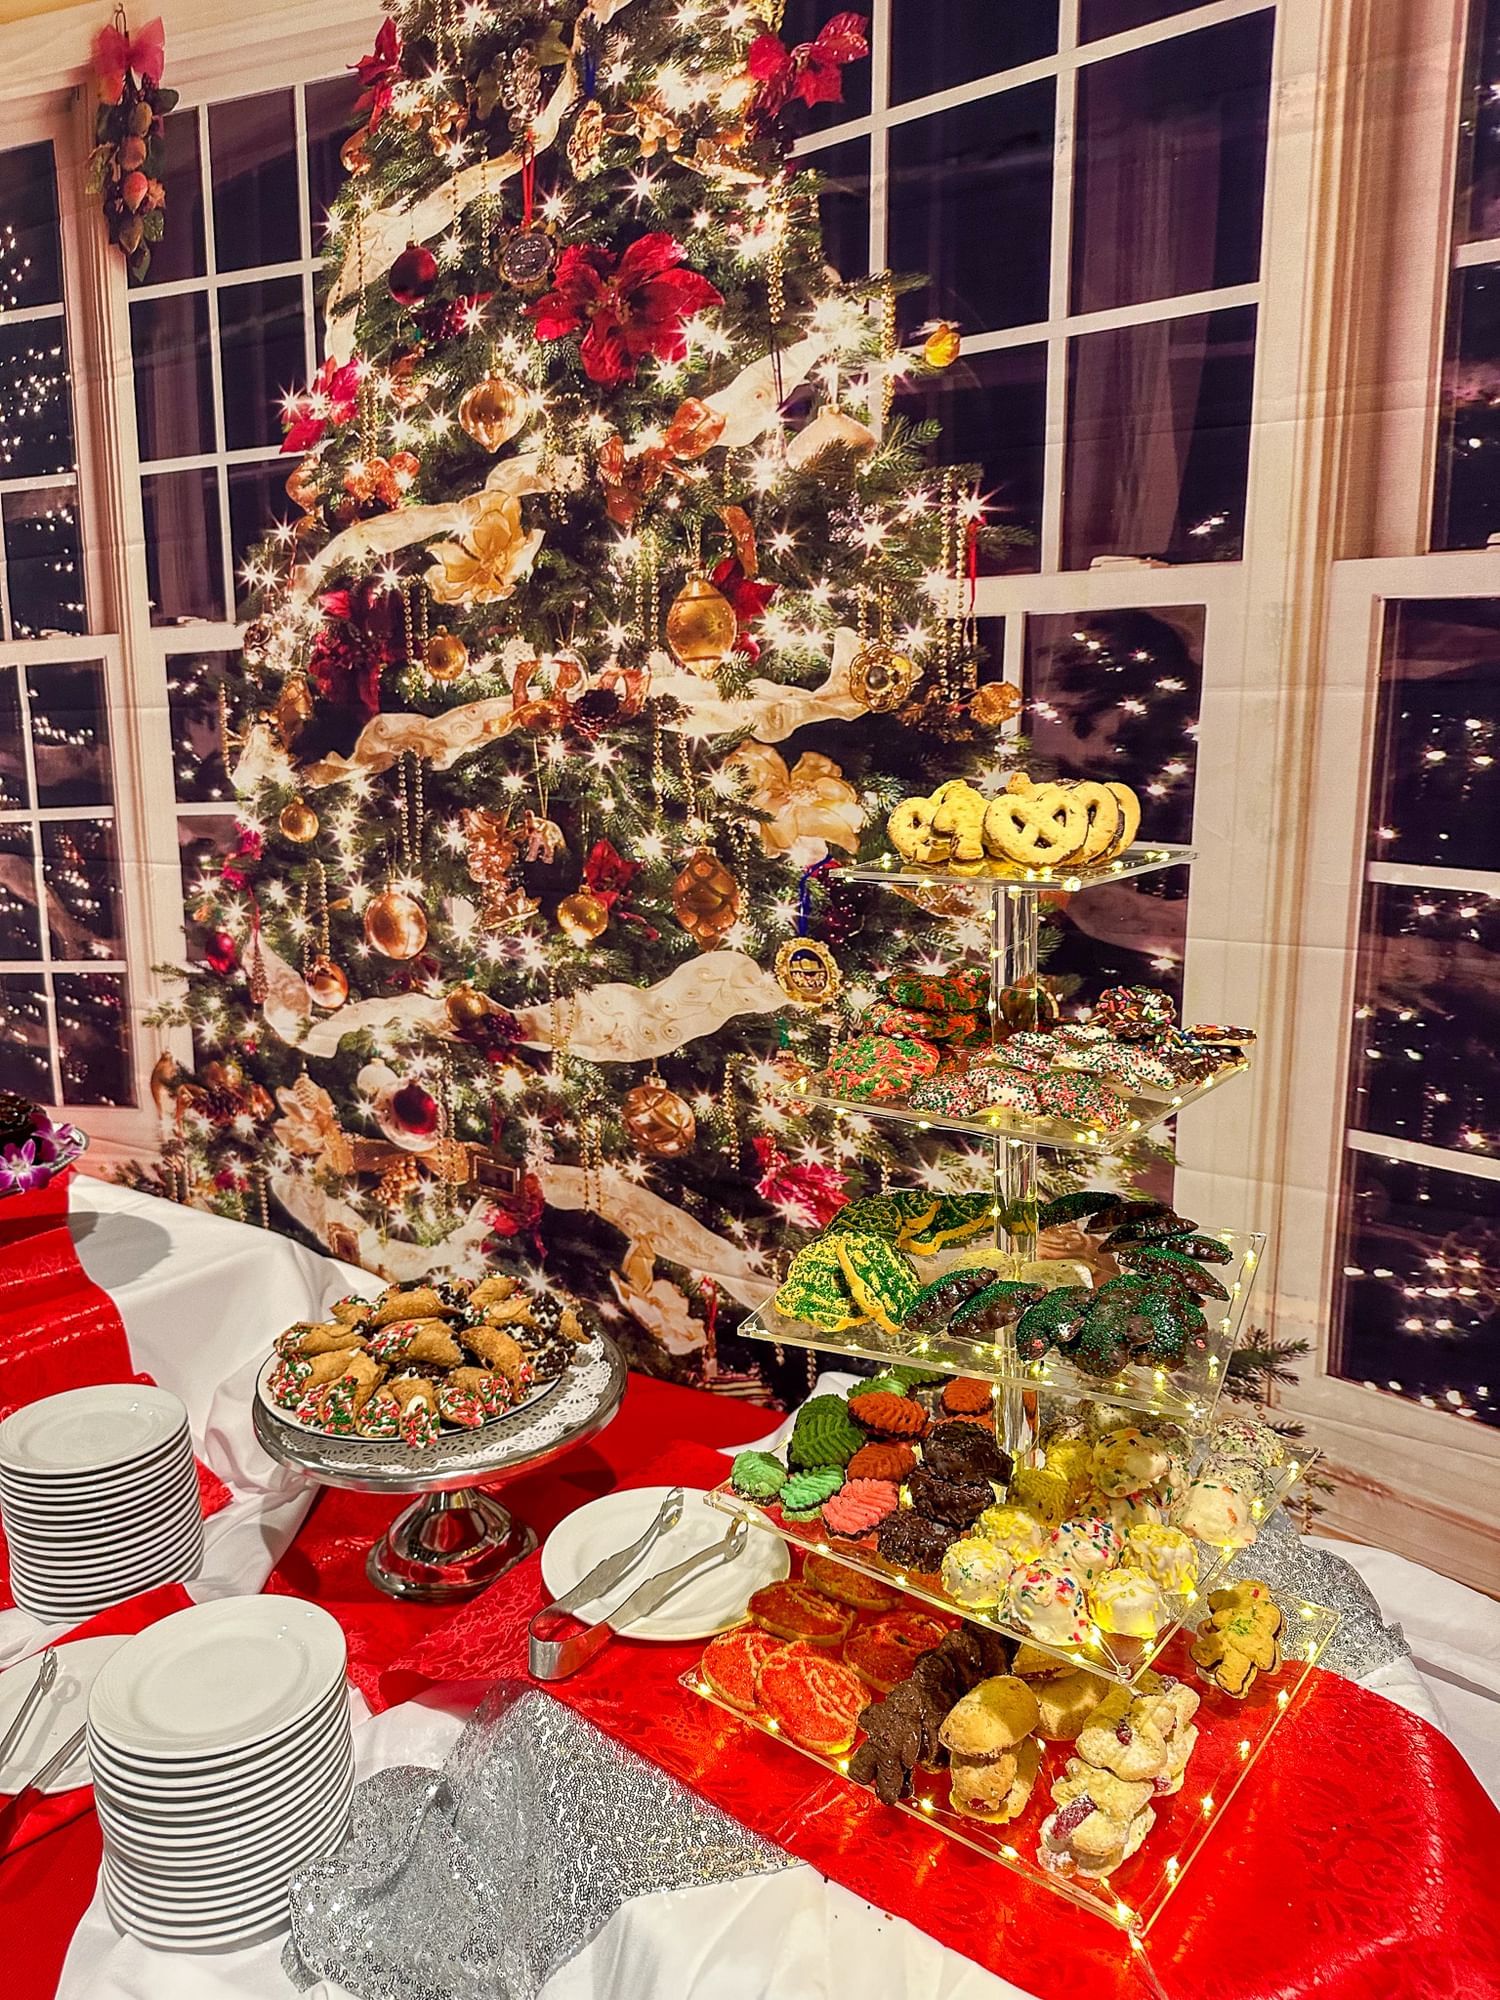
x,y
810,71
377,72
358,637
748,599
330,398
635,305
809,1196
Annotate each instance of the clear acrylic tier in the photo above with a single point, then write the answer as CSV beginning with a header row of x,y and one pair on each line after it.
x,y
1145,1109
985,879
1232,1735
1107,1654
1187,1394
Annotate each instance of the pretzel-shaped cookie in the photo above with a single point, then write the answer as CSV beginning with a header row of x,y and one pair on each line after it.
x,y
911,832
1130,820
1105,818
1035,829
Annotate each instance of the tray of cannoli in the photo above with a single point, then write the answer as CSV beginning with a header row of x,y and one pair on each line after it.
x,y
1101,1792
420,1360
1095,1545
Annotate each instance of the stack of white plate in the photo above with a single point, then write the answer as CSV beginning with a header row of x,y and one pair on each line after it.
x,y
98,1498
222,1757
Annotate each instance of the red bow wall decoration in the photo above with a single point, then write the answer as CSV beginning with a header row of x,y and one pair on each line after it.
x,y
126,165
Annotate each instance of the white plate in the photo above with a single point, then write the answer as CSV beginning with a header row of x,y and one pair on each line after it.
x,y
285,1416
162,1894
90,1430
172,1560
218,1675
278,1827
106,1540
708,1604
323,1727
264,1920
60,1503
58,1714
105,1479
236,1791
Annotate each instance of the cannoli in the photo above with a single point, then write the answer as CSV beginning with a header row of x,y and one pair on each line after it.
x,y
502,1353
327,1337
409,1389
328,1367
424,1340
491,1291
416,1302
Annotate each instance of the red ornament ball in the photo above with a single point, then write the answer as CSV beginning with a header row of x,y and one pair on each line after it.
x,y
415,1110
413,275
221,954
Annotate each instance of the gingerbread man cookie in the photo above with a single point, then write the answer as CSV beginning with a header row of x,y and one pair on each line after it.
x,y
1240,1638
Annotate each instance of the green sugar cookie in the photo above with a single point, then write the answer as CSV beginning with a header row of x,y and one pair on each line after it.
x,y
883,1214
814,1289
879,1277
802,1497
956,1218
757,1475
824,1434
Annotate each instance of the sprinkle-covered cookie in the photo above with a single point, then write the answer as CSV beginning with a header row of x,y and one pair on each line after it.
x,y
956,1218
872,1068
999,1305
1082,1100
1053,1321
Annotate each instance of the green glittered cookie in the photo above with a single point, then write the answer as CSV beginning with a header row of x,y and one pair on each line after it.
x,y
815,1290
879,1277
956,1218
885,1214
802,1497
757,1475
824,1434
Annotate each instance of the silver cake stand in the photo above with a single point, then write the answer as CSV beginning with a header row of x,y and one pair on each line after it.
x,y
456,1537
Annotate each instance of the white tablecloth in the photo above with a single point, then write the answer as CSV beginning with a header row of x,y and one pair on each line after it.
x,y
197,1295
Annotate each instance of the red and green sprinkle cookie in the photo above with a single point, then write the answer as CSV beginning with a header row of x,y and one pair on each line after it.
x,y
879,1066
1083,1100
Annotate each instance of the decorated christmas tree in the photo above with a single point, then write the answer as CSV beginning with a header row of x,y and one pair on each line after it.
x,y
615,606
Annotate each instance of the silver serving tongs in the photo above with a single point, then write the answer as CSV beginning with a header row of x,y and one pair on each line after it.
x,y
552,1657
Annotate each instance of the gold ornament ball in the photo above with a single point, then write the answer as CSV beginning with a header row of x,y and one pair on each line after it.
x,y
395,924
658,1119
994,703
941,347
705,898
881,677
328,985
298,822
701,626
466,1007
493,411
582,917
445,656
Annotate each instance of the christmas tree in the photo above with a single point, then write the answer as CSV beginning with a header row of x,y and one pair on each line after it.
x,y
616,601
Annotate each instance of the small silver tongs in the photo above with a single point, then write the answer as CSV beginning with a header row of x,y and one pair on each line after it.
x,y
46,1674
552,1657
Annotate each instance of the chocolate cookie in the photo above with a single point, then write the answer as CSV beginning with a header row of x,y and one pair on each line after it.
x,y
964,1451
911,1542
957,1501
